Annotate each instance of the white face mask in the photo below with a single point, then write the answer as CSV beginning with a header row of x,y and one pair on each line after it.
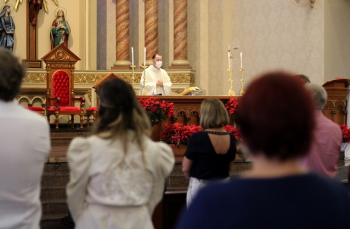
x,y
159,63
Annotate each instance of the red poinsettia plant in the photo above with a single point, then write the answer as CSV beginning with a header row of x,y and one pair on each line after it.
x,y
231,105
233,130
178,133
346,133
157,110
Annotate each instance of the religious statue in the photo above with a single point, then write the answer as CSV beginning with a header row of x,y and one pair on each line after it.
x,y
60,30
34,8
7,28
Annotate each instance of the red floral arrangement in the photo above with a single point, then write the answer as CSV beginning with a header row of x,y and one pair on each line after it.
x,y
231,105
346,133
179,134
157,110
233,131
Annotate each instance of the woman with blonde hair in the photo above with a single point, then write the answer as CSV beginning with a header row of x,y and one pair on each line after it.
x,y
117,175
210,152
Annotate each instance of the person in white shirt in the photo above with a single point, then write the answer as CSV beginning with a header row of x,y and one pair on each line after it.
x,y
117,175
154,79
25,145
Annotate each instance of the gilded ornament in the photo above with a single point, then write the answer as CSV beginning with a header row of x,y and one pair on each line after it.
x,y
35,78
87,78
181,77
60,65
177,91
60,55
89,94
335,101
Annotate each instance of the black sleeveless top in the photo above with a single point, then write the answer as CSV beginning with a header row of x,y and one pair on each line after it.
x,y
207,164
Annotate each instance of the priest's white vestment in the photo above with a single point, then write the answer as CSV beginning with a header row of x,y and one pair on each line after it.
x,y
150,76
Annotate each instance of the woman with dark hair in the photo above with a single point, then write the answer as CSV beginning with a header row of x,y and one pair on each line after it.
x,y
7,28
210,152
117,175
275,118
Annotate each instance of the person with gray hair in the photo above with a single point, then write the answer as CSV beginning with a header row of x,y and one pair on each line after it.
x,y
25,145
327,137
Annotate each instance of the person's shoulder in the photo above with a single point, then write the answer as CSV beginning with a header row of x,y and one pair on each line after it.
x,y
327,183
160,157
199,134
329,122
152,145
79,142
157,148
163,71
28,114
232,136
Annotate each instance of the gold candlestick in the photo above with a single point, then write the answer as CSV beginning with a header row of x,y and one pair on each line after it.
x,y
242,91
133,74
144,91
230,80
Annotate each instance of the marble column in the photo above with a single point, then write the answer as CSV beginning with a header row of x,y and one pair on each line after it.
x,y
180,35
151,29
122,35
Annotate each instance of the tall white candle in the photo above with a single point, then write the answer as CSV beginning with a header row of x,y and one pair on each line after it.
x,y
132,55
229,59
144,57
241,59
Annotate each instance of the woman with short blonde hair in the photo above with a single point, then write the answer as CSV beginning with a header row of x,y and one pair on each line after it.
x,y
213,114
210,152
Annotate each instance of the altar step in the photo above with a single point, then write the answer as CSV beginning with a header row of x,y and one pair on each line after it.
x,y
53,195
53,222
60,141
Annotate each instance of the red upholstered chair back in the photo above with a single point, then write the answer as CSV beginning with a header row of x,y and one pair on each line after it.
x,y
61,88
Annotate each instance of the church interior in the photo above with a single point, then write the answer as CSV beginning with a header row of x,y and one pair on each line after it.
x,y
218,47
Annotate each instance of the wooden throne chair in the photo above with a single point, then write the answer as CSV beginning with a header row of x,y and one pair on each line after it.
x,y
38,110
93,111
60,99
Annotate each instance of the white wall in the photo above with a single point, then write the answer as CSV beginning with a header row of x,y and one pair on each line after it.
x,y
20,32
279,34
337,37
272,34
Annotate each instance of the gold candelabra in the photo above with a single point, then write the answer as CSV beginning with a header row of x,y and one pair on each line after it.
x,y
133,74
242,91
230,80
230,71
144,91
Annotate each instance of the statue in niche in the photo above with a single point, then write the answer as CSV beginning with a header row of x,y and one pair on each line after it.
x,y
60,30
34,8
7,28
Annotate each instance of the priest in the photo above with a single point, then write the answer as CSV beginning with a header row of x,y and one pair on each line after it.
x,y
154,79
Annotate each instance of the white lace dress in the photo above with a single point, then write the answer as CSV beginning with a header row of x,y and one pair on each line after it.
x,y
111,189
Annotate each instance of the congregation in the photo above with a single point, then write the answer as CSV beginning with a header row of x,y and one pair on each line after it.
x,y
117,174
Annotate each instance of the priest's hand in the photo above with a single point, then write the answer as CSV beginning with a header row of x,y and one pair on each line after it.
x,y
159,83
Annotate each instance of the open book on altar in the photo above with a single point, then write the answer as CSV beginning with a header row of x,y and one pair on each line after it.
x,y
192,91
